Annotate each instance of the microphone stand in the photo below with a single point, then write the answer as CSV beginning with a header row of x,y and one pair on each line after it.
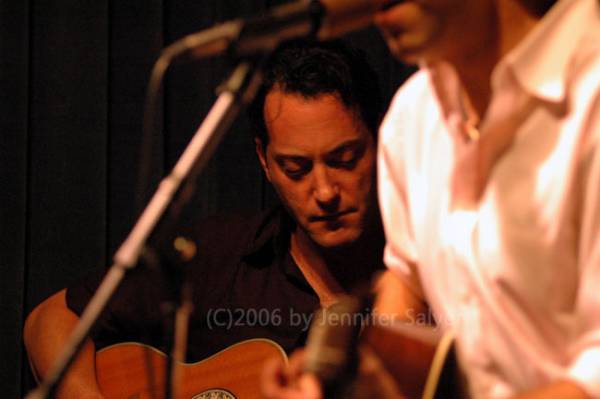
x,y
239,89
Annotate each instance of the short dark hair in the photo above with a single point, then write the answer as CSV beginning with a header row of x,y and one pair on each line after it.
x,y
311,69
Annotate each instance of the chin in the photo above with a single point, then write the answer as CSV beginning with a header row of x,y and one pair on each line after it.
x,y
337,239
413,48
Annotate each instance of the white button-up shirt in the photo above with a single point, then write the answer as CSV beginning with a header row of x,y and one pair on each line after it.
x,y
517,273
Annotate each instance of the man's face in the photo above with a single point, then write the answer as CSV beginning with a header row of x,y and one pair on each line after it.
x,y
417,30
321,160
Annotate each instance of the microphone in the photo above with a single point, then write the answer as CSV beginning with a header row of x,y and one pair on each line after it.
x,y
322,19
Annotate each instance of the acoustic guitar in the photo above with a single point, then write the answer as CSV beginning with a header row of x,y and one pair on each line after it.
x,y
136,371
419,358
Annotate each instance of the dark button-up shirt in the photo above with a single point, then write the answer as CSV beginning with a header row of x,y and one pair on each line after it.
x,y
245,285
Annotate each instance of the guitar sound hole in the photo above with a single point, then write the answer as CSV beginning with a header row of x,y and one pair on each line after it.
x,y
215,394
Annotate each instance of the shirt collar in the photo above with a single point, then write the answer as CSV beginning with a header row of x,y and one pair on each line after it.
x,y
271,234
540,62
271,242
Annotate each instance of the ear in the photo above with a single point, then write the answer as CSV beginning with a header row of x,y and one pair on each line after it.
x,y
262,157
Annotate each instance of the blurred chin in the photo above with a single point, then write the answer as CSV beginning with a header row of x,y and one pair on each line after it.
x,y
416,45
407,51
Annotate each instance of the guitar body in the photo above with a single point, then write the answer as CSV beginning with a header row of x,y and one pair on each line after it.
x,y
421,361
135,371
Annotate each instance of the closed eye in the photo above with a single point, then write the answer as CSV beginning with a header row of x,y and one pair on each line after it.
x,y
294,167
346,157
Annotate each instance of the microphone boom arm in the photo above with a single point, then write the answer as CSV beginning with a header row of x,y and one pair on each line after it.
x,y
239,88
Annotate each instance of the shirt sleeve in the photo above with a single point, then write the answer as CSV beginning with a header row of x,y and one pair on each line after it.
x,y
400,254
585,369
132,314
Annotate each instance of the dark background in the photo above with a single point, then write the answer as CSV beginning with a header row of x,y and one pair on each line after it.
x,y
73,75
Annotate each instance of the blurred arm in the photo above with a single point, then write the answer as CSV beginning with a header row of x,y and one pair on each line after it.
x,y
395,299
47,329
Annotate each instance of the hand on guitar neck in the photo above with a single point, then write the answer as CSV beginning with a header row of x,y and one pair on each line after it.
x,y
395,362
291,382
396,358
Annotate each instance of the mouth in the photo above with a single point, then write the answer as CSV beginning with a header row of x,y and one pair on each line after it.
x,y
330,217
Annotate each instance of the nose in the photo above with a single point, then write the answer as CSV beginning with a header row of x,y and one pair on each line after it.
x,y
326,190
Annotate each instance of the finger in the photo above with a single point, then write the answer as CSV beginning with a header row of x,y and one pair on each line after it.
x,y
310,387
273,378
280,381
296,364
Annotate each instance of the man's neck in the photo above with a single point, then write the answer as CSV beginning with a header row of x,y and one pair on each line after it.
x,y
315,267
512,24
332,272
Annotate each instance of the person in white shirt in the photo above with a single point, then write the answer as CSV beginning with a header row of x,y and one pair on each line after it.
x,y
489,185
